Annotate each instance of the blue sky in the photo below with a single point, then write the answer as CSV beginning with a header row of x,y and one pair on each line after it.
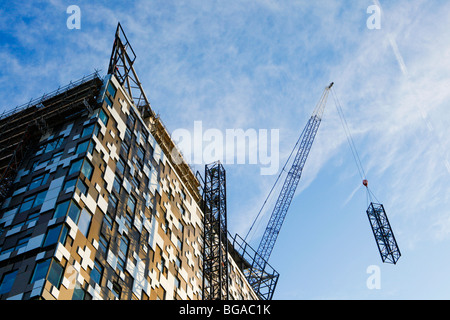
x,y
262,64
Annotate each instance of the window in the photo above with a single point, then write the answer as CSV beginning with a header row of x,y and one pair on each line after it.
x,y
120,165
97,272
117,184
63,237
8,281
103,243
52,236
125,147
179,244
108,220
178,262
40,270
111,90
88,131
61,209
55,274
84,222
140,153
112,201
78,293
123,251
54,144
128,136
116,291
144,135
177,283
135,181
70,183
131,203
131,119
22,242
180,226
108,101
32,201
33,217
87,169
103,117
74,211
56,156
81,186
85,146
75,166
38,181
68,207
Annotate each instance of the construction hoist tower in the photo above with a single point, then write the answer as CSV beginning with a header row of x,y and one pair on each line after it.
x,y
215,257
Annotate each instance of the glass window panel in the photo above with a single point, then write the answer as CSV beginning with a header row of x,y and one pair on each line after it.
x,y
55,144
81,186
64,233
38,181
120,165
111,89
87,131
85,222
78,293
112,201
69,183
117,184
40,197
40,270
76,166
87,170
61,209
52,236
74,211
103,117
55,274
131,203
97,271
82,147
8,281
27,203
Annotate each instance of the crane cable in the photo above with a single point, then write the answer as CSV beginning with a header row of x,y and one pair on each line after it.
x,y
352,147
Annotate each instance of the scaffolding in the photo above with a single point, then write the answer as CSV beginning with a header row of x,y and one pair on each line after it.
x,y
22,127
263,280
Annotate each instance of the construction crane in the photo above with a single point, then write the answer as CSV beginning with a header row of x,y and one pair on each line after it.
x,y
303,147
384,236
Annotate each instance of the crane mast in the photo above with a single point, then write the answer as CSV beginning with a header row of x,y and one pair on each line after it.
x,y
286,195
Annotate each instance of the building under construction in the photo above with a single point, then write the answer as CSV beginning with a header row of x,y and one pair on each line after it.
x,y
96,201
94,205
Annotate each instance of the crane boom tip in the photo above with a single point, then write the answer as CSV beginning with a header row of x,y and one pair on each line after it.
x,y
331,84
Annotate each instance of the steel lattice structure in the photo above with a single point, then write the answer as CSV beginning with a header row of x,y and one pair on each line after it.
x,y
382,231
287,193
215,244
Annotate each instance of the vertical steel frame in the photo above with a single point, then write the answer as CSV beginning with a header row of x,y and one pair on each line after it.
x,y
382,231
215,244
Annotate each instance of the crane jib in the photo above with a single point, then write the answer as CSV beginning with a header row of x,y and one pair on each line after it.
x,y
290,184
